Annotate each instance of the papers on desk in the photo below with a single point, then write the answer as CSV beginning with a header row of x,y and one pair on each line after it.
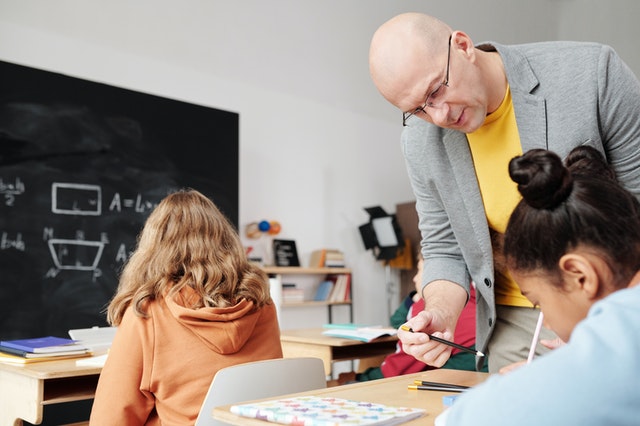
x,y
326,411
94,361
364,334
97,339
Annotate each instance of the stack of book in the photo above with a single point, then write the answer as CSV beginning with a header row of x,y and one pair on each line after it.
x,y
335,289
292,294
329,258
341,291
40,349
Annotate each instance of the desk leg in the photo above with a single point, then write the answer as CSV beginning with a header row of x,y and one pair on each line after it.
x,y
20,399
297,349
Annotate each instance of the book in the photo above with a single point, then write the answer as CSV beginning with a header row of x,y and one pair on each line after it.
x,y
97,339
334,259
292,294
349,325
316,260
8,358
27,354
326,411
47,344
323,291
363,334
341,289
326,258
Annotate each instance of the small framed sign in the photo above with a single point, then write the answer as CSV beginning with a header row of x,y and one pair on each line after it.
x,y
285,253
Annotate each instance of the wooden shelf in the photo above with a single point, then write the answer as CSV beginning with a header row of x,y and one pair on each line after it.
x,y
313,303
317,273
292,270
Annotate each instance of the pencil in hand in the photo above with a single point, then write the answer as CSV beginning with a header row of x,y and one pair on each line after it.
x,y
446,342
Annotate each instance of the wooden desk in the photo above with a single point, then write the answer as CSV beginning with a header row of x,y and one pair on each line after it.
x,y
391,391
26,389
311,342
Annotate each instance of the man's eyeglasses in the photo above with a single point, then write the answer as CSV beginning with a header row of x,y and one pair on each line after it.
x,y
434,100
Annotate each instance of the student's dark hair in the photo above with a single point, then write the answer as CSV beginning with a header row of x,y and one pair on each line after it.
x,y
564,206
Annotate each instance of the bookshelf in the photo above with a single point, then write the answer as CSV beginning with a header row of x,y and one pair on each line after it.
x,y
308,280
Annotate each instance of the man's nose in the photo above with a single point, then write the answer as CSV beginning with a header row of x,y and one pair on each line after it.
x,y
440,116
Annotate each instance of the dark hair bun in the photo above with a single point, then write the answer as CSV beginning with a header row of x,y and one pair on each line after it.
x,y
586,160
542,179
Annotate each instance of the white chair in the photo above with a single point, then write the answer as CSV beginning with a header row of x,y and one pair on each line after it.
x,y
260,379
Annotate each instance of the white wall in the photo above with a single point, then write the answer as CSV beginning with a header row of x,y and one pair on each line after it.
x,y
317,142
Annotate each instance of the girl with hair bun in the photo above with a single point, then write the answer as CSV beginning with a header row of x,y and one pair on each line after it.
x,y
573,246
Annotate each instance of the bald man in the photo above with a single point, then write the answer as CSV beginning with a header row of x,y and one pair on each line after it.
x,y
467,110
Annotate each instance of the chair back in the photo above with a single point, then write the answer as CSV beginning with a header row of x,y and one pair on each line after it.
x,y
261,379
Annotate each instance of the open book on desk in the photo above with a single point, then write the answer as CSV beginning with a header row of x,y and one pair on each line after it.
x,y
326,411
361,333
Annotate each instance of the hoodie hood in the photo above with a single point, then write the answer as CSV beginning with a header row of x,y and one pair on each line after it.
x,y
223,330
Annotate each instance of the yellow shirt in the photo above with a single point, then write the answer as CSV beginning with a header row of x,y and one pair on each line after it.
x,y
492,146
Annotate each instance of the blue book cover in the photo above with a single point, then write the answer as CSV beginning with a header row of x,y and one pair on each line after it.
x,y
324,289
42,344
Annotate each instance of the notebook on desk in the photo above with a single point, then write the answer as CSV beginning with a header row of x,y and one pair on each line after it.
x,y
326,411
97,339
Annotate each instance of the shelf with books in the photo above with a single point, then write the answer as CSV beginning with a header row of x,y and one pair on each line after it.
x,y
321,286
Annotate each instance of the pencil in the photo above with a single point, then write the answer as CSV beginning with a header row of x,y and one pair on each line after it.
x,y
435,388
534,342
438,384
446,342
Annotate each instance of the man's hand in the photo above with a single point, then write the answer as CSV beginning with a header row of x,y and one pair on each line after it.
x,y
444,301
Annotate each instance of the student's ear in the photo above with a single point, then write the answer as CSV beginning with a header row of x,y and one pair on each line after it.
x,y
579,274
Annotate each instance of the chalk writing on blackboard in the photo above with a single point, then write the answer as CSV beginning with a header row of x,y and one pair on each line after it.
x,y
77,255
76,199
10,190
82,164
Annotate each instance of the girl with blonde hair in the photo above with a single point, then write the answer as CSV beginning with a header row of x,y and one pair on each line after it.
x,y
188,304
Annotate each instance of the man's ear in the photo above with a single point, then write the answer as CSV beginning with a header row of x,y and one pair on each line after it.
x,y
461,41
580,274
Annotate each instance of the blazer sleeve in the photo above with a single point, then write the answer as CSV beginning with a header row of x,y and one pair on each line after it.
x,y
619,109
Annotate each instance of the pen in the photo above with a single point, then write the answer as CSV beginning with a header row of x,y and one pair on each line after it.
x,y
435,388
438,384
446,342
534,342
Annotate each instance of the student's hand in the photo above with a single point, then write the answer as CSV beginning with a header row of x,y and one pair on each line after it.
x,y
509,368
551,344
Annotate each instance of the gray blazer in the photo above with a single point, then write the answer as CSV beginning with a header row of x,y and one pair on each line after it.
x,y
564,94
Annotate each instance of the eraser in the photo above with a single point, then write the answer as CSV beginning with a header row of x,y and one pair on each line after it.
x,y
448,400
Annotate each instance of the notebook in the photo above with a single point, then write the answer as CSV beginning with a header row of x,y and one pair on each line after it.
x,y
326,411
97,339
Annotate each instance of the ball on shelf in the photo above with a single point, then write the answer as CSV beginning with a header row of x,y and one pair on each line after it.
x,y
253,230
264,226
274,227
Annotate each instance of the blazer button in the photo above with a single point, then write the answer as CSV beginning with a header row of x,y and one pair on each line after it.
x,y
490,322
487,282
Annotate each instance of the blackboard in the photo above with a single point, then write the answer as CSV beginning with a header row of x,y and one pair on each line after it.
x,y
81,166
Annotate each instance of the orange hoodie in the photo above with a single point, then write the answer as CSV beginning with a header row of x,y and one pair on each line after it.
x,y
159,369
